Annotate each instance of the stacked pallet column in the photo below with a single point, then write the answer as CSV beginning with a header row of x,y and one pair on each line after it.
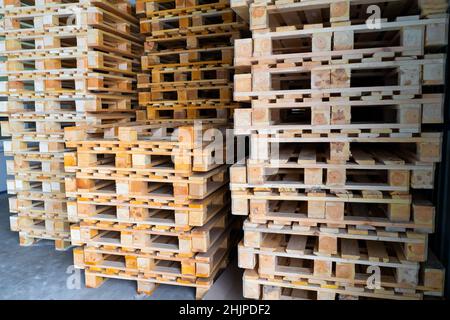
x,y
188,64
69,63
153,206
153,196
344,139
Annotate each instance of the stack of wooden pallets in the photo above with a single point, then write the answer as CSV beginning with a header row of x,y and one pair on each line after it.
x,y
153,204
152,196
69,63
189,57
338,185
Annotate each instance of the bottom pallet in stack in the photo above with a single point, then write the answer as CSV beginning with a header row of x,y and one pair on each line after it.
x,y
359,269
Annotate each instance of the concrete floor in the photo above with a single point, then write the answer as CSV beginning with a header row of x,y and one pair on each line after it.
x,y
41,272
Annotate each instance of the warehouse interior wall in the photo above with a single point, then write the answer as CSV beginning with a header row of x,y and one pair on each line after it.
x,y
441,239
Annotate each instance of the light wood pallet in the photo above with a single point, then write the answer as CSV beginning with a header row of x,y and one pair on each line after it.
x,y
155,8
161,264
202,19
164,271
179,57
153,213
350,176
197,186
189,42
332,68
201,109
31,230
152,238
424,147
392,78
413,244
62,103
404,36
311,165
343,114
281,288
49,126
275,14
185,77
359,212
135,144
298,262
38,205
154,165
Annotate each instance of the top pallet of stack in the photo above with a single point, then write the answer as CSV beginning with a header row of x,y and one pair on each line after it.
x,y
273,14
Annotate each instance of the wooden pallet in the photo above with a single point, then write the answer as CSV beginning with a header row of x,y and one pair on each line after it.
x,y
34,147
191,22
185,76
177,216
424,147
135,261
61,103
312,165
216,90
155,8
196,34
120,7
38,183
32,230
257,287
396,114
274,14
38,207
193,57
83,39
414,244
361,210
197,186
348,268
405,37
396,214
71,83
198,110
179,139
189,42
188,53
165,240
332,177
50,126
390,78
309,168
146,284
